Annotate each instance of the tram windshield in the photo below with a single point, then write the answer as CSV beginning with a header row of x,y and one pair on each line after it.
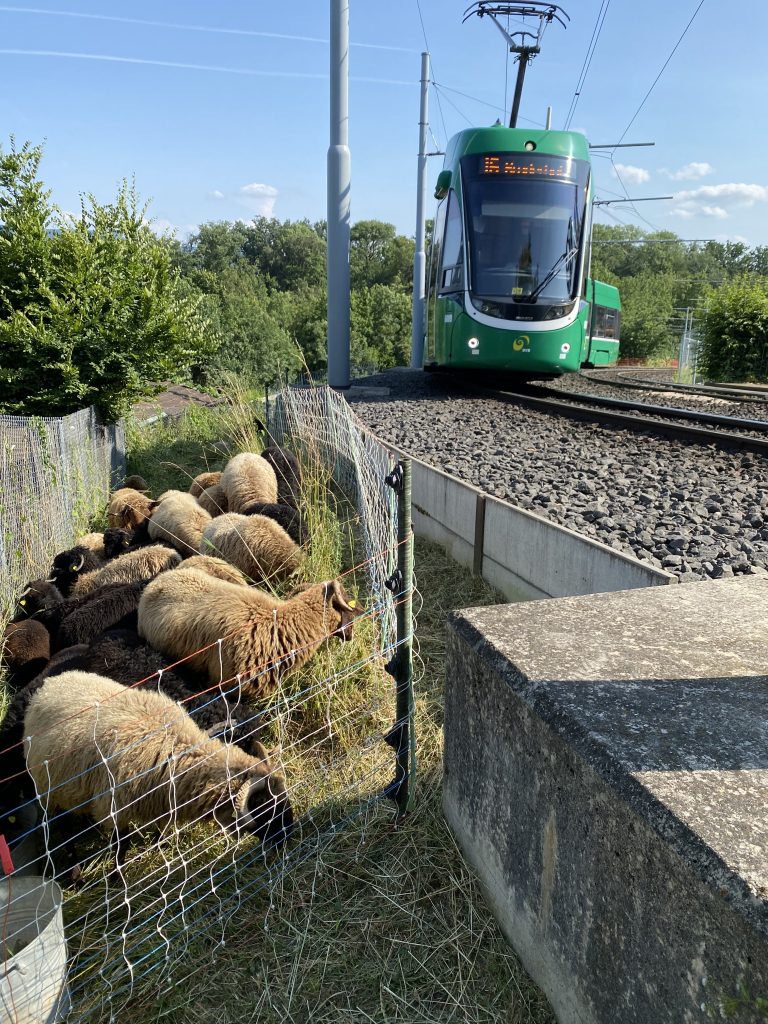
x,y
525,215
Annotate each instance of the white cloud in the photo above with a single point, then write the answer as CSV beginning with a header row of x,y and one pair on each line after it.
x,y
216,194
259,199
691,172
634,175
717,200
161,226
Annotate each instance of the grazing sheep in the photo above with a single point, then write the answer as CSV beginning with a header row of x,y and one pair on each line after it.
x,y
119,542
129,509
141,564
258,546
93,541
41,600
264,638
137,483
287,472
25,650
202,481
179,521
111,606
68,566
162,769
214,500
215,567
122,655
287,516
248,477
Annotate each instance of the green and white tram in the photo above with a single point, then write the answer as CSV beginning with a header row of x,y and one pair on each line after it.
x,y
509,284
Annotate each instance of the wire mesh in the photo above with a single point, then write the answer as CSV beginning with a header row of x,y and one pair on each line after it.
x,y
54,473
140,819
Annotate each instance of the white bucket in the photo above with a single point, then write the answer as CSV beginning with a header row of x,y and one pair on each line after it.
x,y
33,982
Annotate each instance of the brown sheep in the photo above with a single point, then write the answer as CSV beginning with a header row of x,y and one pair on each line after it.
x,y
214,500
266,638
137,483
25,650
129,509
141,564
257,545
178,520
203,481
248,477
126,756
215,567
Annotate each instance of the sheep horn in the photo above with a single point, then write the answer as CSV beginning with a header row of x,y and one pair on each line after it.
x,y
51,579
80,564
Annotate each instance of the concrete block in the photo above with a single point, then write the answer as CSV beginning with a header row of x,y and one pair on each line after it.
x,y
606,773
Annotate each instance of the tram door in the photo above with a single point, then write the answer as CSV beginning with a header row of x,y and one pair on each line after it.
x,y
446,280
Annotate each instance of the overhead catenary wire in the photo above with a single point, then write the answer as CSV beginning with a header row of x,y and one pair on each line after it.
x,y
591,47
432,64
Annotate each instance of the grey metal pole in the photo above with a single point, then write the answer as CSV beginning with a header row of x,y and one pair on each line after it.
x,y
338,200
420,256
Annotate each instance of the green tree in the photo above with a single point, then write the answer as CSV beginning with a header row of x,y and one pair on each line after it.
x,y
216,246
287,254
646,308
380,327
91,309
735,331
378,255
253,341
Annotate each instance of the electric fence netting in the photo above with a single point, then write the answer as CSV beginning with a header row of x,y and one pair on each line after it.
x,y
54,472
133,838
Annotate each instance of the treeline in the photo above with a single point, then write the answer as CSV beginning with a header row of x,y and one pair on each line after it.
x,y
661,277
95,309
265,289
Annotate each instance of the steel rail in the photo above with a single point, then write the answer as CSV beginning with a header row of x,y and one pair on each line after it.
x,y
742,393
641,424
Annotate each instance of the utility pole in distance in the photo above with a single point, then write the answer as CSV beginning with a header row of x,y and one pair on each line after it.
x,y
419,256
339,173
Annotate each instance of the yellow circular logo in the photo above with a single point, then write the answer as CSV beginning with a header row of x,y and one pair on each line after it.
x,y
519,343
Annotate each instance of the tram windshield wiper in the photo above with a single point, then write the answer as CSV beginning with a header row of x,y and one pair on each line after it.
x,y
563,260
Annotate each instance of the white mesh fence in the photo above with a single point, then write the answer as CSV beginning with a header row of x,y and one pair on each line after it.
x,y
53,473
177,833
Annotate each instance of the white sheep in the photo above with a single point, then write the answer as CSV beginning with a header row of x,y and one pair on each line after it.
x,y
263,638
248,477
215,567
178,520
123,755
214,500
202,481
257,545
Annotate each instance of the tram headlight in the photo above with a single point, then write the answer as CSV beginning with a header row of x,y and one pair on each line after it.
x,y
473,342
555,312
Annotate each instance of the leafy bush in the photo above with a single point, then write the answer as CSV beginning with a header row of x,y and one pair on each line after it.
x,y
734,342
91,310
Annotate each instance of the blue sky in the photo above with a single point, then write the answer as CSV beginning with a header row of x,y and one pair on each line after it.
x,y
228,117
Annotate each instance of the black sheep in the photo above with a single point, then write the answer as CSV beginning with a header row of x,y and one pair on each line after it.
x,y
70,564
41,600
288,473
118,541
111,606
285,515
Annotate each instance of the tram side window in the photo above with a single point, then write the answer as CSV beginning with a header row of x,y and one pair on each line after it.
x,y
452,273
606,323
437,245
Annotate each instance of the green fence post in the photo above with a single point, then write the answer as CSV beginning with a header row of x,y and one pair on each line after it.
x,y
403,737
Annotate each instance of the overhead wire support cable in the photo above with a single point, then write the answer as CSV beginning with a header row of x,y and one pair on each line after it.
x,y
663,68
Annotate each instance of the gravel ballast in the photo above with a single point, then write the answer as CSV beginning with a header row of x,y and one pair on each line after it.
x,y
696,510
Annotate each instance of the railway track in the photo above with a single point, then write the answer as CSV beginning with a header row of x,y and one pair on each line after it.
x,y
626,379
705,428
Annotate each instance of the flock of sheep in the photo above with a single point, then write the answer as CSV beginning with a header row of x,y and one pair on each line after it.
x,y
138,667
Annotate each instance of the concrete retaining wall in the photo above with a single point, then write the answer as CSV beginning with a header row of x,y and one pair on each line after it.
x,y
520,553
606,774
